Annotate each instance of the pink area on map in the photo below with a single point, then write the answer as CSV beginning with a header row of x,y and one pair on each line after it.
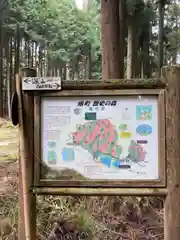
x,y
100,135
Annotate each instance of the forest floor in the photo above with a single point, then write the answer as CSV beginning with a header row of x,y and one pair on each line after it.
x,y
8,152
91,218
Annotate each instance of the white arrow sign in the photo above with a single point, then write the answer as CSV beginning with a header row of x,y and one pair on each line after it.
x,y
41,83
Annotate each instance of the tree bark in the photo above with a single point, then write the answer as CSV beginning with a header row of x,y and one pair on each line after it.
x,y
17,51
88,62
29,52
32,55
130,51
122,35
12,83
135,49
174,56
160,36
8,79
145,48
1,70
110,39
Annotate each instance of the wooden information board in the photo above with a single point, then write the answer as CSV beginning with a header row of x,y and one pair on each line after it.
x,y
110,139
99,138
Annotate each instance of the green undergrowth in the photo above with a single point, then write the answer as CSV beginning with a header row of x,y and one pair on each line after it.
x,y
98,218
7,158
8,141
6,124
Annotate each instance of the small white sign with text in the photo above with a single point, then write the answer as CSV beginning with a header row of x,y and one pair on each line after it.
x,y
41,83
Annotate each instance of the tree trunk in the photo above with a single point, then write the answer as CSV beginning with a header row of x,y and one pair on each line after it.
x,y
135,50
32,55
29,53
174,57
12,83
36,53
161,35
110,39
146,62
130,51
5,72
1,70
133,70
49,66
61,71
88,63
122,35
8,75
40,62
17,51
64,72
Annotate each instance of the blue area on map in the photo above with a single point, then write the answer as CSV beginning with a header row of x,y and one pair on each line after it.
x,y
106,160
144,129
116,164
68,154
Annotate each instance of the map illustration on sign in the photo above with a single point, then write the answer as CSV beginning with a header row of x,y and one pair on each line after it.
x,y
91,136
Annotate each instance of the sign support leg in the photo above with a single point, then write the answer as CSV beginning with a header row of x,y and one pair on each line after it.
x,y
27,200
171,76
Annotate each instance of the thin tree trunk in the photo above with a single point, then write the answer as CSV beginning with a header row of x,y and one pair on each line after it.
x,y
49,66
17,51
64,72
110,39
5,71
40,62
36,53
73,68
122,35
135,50
29,53
146,63
20,52
130,51
174,57
32,55
88,63
160,36
8,76
61,71
1,70
12,83
26,50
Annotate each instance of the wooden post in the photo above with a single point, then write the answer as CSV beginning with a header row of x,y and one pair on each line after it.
x,y
27,210
171,76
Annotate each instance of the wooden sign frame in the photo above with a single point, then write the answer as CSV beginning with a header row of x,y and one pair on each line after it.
x,y
80,90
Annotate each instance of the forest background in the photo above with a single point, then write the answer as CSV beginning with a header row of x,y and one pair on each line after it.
x,y
59,39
